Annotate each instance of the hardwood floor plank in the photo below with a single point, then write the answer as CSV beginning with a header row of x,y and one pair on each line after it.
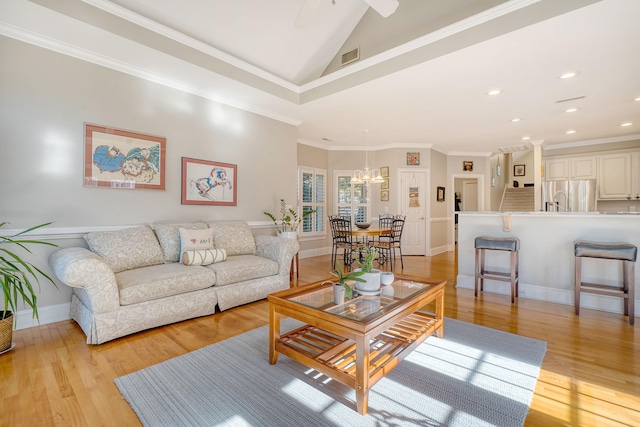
x,y
589,377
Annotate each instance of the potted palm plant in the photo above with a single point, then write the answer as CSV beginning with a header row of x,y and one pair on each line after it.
x,y
289,221
342,288
18,278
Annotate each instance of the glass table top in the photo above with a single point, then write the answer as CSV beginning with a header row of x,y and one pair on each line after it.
x,y
361,306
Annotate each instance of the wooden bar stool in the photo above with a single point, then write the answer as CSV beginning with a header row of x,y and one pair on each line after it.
x,y
625,252
511,244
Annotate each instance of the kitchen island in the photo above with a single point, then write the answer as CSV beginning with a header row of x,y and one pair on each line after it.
x,y
547,253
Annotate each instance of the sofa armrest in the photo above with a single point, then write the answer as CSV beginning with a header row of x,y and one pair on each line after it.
x,y
278,249
81,268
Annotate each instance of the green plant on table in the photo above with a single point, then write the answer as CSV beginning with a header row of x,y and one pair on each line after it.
x,y
17,276
344,277
367,257
289,218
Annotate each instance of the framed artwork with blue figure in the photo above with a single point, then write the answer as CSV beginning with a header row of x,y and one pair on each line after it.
x,y
116,158
209,183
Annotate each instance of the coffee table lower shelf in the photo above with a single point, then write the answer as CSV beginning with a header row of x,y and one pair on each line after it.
x,y
335,356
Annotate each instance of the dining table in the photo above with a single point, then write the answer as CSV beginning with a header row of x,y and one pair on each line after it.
x,y
369,234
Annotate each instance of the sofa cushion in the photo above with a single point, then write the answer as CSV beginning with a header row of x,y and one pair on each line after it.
x,y
195,240
235,237
204,256
169,238
243,267
160,281
126,249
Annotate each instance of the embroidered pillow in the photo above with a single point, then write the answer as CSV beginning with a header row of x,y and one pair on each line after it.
x,y
204,256
126,249
235,237
195,240
169,237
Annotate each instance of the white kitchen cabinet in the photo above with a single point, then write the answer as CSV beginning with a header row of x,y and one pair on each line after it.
x,y
614,176
635,176
575,168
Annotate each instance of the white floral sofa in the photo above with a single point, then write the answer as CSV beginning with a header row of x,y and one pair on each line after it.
x,y
131,279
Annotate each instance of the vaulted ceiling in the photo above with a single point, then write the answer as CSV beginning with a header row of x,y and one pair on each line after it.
x,y
421,81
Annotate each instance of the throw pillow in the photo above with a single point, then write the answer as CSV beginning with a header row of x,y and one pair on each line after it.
x,y
204,256
235,237
195,240
126,249
169,238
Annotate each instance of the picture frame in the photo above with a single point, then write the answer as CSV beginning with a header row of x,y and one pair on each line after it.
x,y
467,166
384,195
440,194
385,184
207,182
384,171
413,159
117,158
518,170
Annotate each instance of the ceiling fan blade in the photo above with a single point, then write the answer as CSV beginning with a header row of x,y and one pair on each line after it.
x,y
308,13
383,7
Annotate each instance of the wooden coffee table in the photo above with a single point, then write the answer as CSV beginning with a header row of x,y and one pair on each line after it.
x,y
362,340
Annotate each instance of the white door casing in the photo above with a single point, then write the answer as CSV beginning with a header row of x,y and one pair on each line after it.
x,y
451,205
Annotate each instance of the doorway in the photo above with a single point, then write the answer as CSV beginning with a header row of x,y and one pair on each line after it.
x,y
470,189
413,185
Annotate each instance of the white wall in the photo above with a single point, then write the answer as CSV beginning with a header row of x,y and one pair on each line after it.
x,y
45,99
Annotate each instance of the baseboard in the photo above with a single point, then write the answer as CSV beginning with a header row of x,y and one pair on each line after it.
x,y
309,253
543,293
48,314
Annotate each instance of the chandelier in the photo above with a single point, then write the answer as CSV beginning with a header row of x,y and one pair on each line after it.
x,y
366,175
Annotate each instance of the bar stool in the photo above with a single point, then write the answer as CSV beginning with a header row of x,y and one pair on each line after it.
x,y
511,244
625,252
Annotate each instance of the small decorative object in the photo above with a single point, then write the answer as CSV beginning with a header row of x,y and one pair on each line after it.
x,y
384,195
118,158
363,225
370,276
414,202
289,218
440,196
518,170
209,183
17,279
386,278
467,166
413,159
384,171
516,184
342,283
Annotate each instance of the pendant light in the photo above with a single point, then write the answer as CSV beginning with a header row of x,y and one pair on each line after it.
x,y
367,175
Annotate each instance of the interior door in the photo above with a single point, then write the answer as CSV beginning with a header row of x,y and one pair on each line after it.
x,y
470,196
413,204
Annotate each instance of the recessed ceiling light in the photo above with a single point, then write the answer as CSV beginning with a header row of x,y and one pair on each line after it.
x,y
637,99
569,132
571,110
526,138
494,92
626,124
515,120
568,75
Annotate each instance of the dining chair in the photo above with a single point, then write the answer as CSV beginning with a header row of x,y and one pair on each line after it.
x,y
342,239
385,221
388,244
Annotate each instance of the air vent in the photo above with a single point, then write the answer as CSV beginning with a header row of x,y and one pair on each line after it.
x,y
570,99
513,149
351,56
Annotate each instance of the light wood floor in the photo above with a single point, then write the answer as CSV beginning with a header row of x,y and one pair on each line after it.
x,y
590,375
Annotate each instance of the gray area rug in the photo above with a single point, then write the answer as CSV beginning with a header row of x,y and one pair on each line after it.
x,y
475,376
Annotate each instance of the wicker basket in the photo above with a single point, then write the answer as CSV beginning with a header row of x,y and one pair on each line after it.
x,y
6,332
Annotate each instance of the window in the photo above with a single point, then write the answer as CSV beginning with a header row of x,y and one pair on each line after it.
x,y
312,195
352,199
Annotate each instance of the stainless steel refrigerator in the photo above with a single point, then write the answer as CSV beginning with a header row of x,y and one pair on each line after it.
x,y
569,196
